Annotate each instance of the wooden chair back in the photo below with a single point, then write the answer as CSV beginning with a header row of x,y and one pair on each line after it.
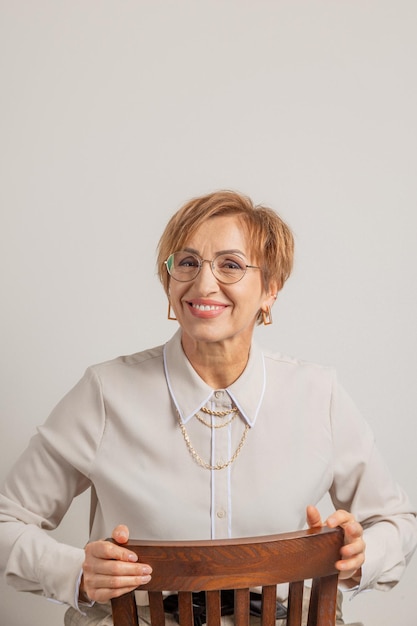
x,y
239,564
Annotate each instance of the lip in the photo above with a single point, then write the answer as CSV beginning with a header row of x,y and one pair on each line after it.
x,y
206,309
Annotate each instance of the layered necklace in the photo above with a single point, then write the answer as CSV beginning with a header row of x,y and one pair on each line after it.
x,y
233,410
218,414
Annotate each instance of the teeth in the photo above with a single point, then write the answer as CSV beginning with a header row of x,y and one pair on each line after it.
x,y
206,307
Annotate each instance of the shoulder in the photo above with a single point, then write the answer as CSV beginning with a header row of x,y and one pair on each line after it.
x,y
297,377
125,366
296,365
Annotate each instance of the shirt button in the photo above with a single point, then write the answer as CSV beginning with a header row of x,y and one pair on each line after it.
x,y
218,394
221,514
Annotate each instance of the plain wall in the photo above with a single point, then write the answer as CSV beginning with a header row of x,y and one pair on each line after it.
x,y
114,113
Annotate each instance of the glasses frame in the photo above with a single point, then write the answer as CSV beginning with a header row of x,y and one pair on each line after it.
x,y
211,263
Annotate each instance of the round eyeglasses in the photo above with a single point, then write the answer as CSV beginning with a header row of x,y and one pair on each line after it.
x,y
227,267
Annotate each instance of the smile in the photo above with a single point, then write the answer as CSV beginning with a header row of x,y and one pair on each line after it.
x,y
206,307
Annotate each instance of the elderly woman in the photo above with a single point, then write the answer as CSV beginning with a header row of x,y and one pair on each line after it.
x,y
206,436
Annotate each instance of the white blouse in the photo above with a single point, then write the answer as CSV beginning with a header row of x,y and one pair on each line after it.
x,y
117,431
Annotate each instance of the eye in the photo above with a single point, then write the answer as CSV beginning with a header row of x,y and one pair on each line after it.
x,y
227,262
187,260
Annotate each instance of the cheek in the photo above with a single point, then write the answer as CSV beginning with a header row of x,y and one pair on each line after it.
x,y
252,294
249,303
177,292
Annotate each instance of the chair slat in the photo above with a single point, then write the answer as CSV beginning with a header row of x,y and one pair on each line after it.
x,y
213,608
156,608
295,603
269,605
185,607
322,608
124,610
242,597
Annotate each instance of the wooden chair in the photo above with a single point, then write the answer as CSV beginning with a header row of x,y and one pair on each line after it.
x,y
239,564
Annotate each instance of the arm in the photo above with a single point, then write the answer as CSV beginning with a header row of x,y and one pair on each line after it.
x,y
53,470
30,506
370,505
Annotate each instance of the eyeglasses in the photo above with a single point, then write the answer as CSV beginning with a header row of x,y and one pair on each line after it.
x,y
227,267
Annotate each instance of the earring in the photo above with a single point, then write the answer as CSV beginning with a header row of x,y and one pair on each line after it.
x,y
171,316
267,316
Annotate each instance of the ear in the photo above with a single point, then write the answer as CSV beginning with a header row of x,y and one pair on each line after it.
x,y
270,297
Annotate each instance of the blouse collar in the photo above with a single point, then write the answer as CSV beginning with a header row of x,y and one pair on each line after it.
x,y
189,392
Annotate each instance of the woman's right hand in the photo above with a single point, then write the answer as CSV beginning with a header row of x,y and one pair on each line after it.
x,y
109,570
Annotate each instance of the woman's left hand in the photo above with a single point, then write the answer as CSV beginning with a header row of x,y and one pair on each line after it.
x,y
353,552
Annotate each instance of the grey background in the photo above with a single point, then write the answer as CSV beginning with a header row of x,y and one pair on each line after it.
x,y
114,113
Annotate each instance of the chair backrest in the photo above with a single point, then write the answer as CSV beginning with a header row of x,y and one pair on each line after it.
x,y
239,564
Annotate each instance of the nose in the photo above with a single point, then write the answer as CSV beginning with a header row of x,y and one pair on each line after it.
x,y
205,278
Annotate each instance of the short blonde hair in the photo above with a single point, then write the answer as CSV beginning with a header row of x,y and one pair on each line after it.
x,y
270,239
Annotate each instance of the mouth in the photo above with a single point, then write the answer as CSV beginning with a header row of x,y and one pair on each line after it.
x,y
205,310
205,307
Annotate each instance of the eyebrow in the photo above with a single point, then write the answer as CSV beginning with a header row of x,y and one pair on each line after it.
x,y
239,252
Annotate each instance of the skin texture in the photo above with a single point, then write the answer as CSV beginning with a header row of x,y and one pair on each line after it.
x,y
221,334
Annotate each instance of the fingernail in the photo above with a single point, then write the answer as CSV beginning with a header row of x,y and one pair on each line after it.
x,y
147,570
122,535
133,557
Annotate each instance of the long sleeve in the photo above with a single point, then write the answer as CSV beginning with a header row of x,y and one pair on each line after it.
x,y
364,485
40,488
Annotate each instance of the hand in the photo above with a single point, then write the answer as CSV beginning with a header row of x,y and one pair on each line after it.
x,y
109,570
353,552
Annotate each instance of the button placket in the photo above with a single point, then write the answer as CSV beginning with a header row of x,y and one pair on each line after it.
x,y
221,452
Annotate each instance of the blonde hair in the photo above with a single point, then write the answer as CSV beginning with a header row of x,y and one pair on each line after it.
x,y
270,239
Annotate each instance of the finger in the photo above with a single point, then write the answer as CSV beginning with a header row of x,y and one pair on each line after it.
x,y
353,549
102,578
106,550
349,567
112,583
353,530
105,595
354,545
107,587
353,552
313,517
96,568
339,518
120,534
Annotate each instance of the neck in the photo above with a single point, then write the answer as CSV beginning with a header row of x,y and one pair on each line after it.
x,y
216,365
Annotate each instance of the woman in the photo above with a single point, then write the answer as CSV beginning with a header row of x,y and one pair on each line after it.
x,y
206,436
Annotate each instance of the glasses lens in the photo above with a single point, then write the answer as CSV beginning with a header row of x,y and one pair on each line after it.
x,y
229,268
183,265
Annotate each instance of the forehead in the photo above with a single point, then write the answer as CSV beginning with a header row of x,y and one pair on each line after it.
x,y
222,232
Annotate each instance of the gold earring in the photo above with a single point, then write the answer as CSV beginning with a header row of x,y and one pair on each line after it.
x,y
267,316
170,315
